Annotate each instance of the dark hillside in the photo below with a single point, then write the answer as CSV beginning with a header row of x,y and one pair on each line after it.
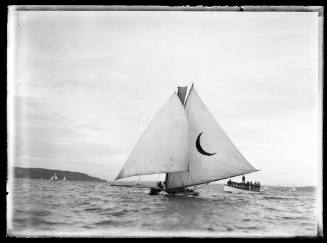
x,y
38,173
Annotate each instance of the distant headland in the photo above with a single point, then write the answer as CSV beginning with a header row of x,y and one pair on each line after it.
x,y
40,173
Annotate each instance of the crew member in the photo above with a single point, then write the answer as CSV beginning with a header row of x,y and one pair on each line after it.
x,y
160,185
258,185
229,182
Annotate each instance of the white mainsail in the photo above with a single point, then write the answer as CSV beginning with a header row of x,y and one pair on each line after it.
x,y
212,155
163,147
138,182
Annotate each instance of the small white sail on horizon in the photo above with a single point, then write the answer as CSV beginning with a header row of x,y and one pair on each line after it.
x,y
54,178
64,178
264,188
138,182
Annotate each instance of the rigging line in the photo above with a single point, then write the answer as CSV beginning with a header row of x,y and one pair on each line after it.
x,y
203,186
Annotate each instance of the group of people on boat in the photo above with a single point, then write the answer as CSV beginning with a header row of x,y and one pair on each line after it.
x,y
245,185
162,186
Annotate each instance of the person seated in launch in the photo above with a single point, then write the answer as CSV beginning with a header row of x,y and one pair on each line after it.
x,y
229,182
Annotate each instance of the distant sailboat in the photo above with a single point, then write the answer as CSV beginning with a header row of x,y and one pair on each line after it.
x,y
138,182
64,178
54,178
264,188
293,189
185,142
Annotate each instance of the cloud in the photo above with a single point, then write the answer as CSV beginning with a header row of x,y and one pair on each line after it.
x,y
44,134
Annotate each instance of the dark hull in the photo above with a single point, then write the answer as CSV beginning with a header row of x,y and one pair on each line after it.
x,y
186,193
235,189
156,191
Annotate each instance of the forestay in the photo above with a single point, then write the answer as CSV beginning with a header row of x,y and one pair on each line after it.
x,y
212,155
163,146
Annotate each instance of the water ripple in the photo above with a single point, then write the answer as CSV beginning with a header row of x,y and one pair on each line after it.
x,y
87,206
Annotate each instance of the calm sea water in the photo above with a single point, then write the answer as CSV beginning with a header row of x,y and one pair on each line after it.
x,y
71,208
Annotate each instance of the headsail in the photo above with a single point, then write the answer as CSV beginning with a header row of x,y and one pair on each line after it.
x,y
212,155
164,145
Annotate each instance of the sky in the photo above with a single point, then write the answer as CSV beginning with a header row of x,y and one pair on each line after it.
x,y
85,85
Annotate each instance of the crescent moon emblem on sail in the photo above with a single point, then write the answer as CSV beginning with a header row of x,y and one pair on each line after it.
x,y
200,149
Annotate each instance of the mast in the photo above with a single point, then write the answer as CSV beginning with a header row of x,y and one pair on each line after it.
x,y
188,95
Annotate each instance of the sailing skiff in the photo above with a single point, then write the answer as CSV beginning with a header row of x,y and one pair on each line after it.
x,y
185,142
54,178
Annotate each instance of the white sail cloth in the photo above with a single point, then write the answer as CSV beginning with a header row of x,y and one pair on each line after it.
x,y
163,146
215,157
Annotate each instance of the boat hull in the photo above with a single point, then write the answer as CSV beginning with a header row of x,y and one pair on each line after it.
x,y
183,193
233,189
156,191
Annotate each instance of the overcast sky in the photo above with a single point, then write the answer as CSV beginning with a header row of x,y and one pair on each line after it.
x,y
88,83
